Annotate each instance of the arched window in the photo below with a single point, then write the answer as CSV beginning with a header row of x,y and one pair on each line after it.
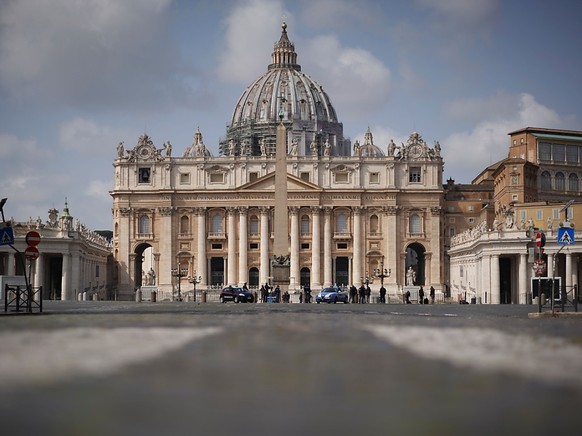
x,y
415,224
546,181
254,225
560,182
342,223
304,225
184,225
144,224
374,224
217,223
573,182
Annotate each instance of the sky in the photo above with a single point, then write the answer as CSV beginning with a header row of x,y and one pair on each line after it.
x,y
76,78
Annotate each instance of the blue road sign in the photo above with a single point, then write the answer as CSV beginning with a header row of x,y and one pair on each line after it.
x,y
6,236
565,236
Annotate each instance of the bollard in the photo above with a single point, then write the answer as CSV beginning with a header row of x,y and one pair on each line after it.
x,y
204,297
85,296
138,296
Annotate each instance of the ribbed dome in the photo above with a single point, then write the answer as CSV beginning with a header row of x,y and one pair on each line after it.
x,y
368,149
284,93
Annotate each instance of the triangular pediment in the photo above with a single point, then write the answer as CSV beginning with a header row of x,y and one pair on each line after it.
x,y
267,183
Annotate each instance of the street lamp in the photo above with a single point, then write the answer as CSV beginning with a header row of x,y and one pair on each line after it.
x,y
194,280
179,273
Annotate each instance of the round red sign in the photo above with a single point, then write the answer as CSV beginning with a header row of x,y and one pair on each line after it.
x,y
32,238
31,253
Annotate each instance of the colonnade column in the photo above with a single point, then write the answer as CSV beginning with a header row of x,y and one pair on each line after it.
x,y
436,268
357,254
66,293
550,265
495,280
294,267
76,281
568,272
486,278
11,265
38,272
315,248
327,261
242,246
264,268
523,288
201,243
231,262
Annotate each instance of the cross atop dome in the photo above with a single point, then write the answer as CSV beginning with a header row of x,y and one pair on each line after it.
x,y
284,55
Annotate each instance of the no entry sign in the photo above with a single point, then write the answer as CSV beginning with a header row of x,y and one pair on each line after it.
x,y
32,238
31,253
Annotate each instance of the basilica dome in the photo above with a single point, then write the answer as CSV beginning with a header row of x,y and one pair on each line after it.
x,y
284,94
368,148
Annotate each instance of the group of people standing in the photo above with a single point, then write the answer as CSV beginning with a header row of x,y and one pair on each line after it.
x,y
421,298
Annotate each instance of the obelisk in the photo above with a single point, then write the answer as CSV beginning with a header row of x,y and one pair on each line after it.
x,y
280,260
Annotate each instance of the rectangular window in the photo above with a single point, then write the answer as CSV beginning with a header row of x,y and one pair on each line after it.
x,y
216,246
96,270
545,151
414,175
217,178
556,213
374,177
539,215
471,208
184,178
471,220
572,153
304,177
305,246
515,180
342,246
341,177
254,246
452,231
522,215
253,177
558,152
514,197
451,220
144,175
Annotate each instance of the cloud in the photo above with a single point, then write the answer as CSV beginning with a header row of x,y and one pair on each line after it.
x,y
334,14
356,80
249,39
453,16
466,154
87,137
88,53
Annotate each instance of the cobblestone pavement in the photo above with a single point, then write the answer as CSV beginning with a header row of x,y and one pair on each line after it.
x,y
113,368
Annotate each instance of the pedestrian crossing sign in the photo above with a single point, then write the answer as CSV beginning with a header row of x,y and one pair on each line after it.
x,y
6,236
565,236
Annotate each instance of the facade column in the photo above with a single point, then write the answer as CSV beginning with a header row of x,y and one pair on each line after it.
x,y
357,254
242,246
168,260
66,292
125,217
436,268
294,267
231,241
264,267
76,277
315,248
523,288
327,238
201,246
390,245
495,278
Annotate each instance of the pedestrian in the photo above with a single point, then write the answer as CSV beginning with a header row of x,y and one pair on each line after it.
x,y
353,294
362,294
421,295
432,295
368,293
301,296
382,294
407,297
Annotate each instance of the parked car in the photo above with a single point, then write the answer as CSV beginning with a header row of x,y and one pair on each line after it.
x,y
333,294
236,294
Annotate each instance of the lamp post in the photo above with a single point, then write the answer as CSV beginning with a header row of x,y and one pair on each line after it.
x,y
179,273
194,280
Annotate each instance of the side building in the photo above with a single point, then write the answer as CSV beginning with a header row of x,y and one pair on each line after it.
x,y
74,262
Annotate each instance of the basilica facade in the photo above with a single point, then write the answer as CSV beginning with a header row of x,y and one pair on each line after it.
x,y
356,214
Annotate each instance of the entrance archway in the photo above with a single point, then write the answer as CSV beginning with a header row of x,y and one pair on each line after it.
x,y
254,277
305,277
415,259
142,251
342,271
216,271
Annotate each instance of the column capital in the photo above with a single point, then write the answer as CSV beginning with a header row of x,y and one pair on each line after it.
x,y
166,211
125,211
391,210
358,210
293,210
243,210
264,210
436,210
315,210
327,210
199,210
231,211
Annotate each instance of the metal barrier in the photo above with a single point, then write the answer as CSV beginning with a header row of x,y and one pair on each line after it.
x,y
17,299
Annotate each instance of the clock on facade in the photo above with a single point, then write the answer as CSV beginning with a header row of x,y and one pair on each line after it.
x,y
415,151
